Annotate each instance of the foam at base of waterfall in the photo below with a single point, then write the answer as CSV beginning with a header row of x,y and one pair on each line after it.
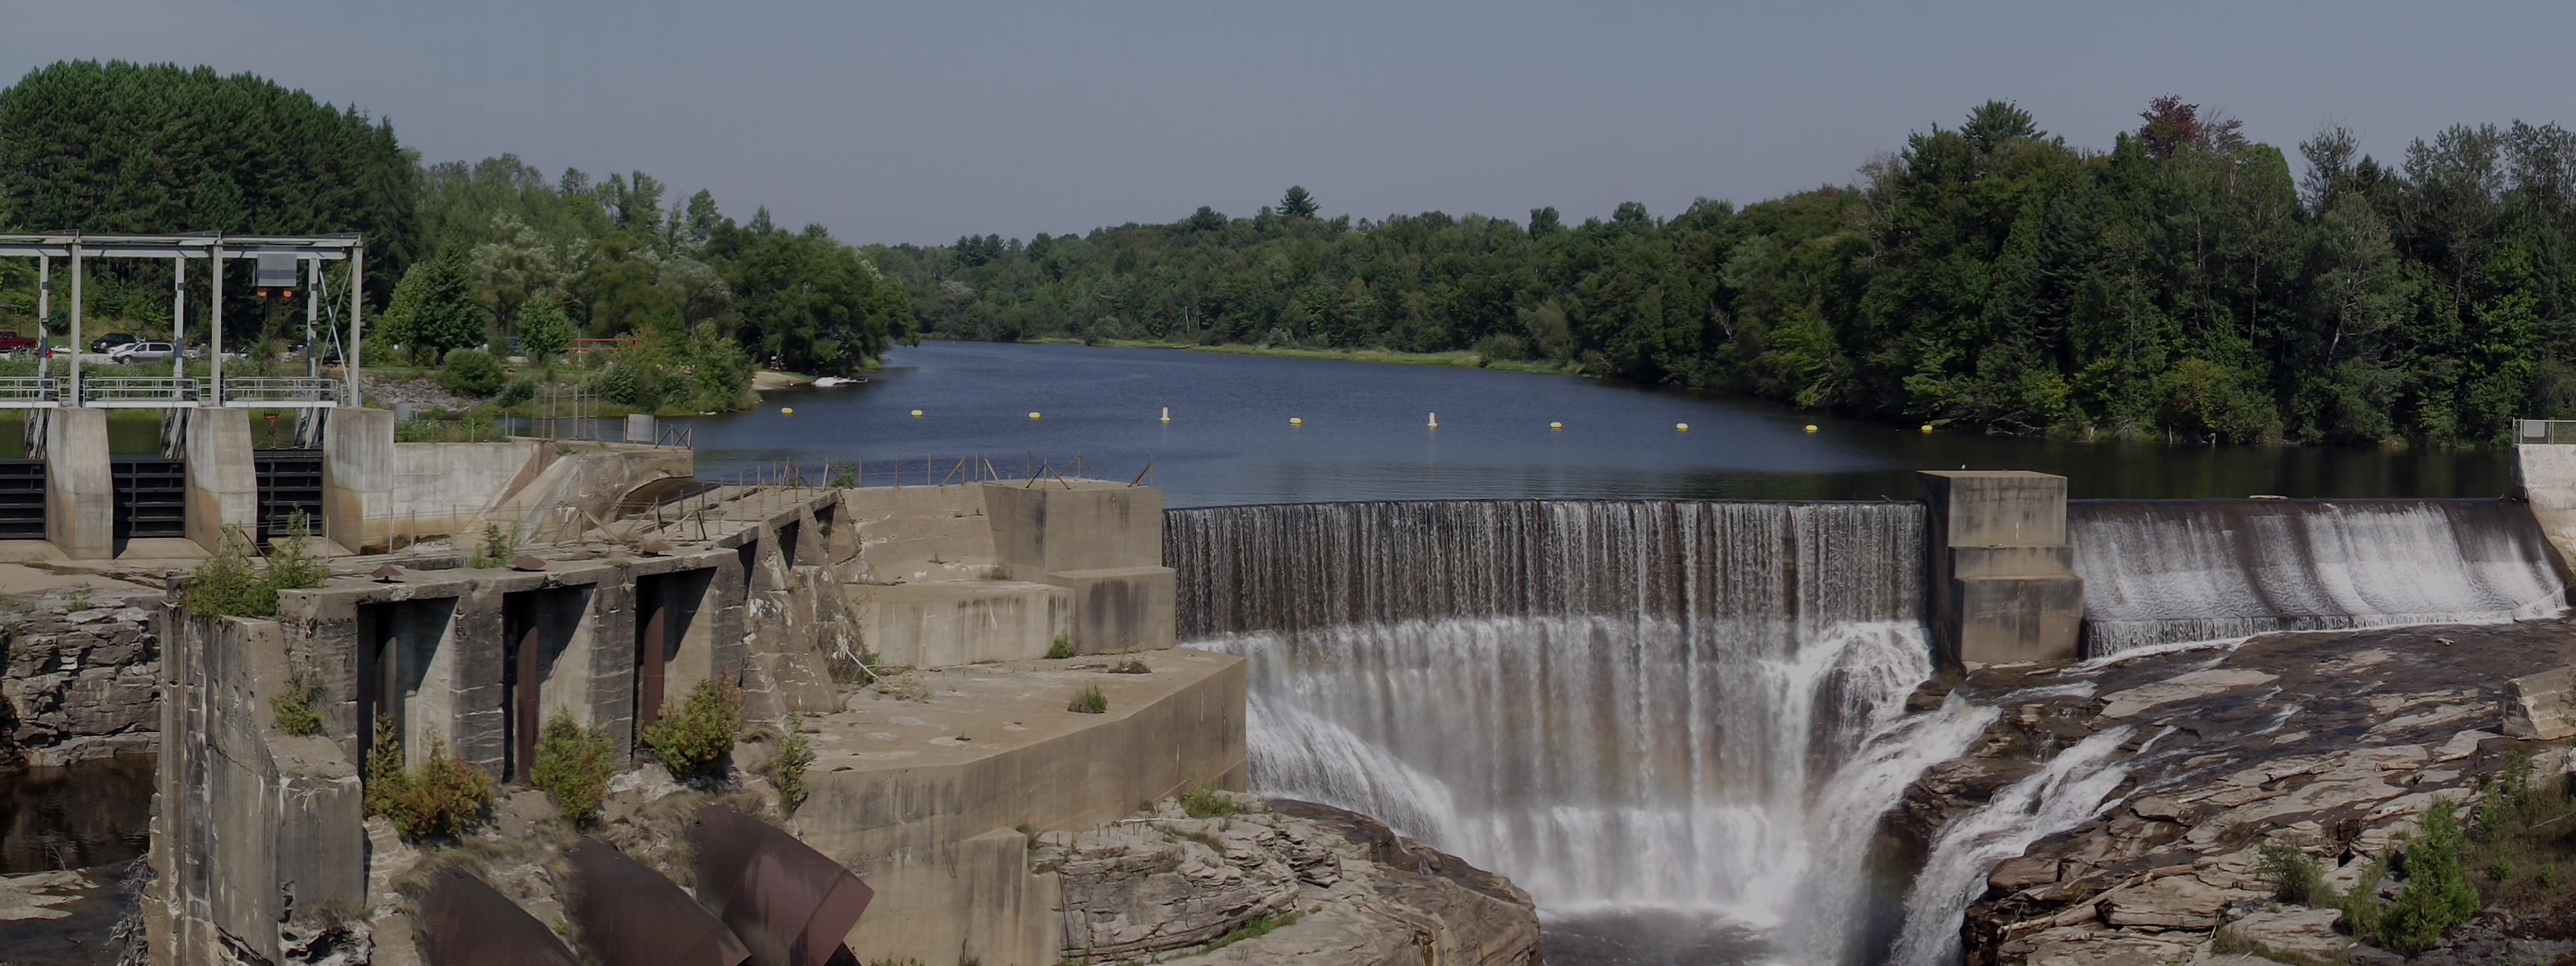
x,y
1607,763
2071,789
2203,572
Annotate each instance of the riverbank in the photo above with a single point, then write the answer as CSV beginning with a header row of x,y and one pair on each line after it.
x,y
1455,360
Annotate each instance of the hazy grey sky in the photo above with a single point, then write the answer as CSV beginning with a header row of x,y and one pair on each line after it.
x,y
923,121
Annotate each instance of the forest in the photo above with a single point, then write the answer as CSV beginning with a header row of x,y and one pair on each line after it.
x,y
2187,283
459,256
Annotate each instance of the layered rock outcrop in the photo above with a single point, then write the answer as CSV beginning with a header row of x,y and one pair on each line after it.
x,y
82,677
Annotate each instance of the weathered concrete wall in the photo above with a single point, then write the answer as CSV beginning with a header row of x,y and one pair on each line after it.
x,y
80,507
1999,581
969,622
443,488
223,483
80,683
2541,706
796,619
562,496
358,477
2544,475
376,490
1048,528
1121,608
920,533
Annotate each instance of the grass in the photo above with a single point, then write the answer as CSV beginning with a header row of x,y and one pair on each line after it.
x,y
2295,877
1204,802
1062,650
1089,700
1257,928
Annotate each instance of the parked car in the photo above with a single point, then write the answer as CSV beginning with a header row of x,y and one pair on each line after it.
x,y
108,343
133,352
12,342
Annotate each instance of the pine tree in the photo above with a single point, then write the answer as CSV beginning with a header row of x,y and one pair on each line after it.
x,y
1297,203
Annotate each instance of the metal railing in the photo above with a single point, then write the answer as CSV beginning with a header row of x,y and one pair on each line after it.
x,y
2561,431
139,393
281,392
30,392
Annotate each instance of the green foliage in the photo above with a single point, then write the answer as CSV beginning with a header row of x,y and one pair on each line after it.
x,y
228,584
2524,839
516,391
1203,801
294,708
472,372
1062,649
544,330
442,797
500,546
1089,700
2294,876
435,312
696,740
787,768
2437,896
479,425
1257,928
573,765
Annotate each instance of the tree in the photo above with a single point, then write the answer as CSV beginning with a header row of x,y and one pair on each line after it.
x,y
436,312
544,330
1206,219
1297,203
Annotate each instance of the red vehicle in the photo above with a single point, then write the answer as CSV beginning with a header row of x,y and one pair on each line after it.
x,y
12,342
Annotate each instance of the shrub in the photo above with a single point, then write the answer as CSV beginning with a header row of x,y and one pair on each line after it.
x,y
1089,701
573,765
291,564
499,546
294,706
2437,895
1063,648
472,372
696,740
516,391
443,797
1204,802
2294,876
2523,840
787,768
229,585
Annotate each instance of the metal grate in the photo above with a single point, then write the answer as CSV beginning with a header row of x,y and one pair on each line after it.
x,y
290,481
151,497
22,500
2557,431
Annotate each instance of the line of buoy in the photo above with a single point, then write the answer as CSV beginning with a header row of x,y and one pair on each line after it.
x,y
1167,414
1554,426
1296,421
916,414
1811,427
1036,416
787,410
1927,429
1681,427
1435,420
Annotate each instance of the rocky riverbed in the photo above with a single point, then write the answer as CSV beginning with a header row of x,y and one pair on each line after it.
x,y
2144,790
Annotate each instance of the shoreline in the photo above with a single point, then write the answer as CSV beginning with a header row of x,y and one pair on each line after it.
x,y
1459,359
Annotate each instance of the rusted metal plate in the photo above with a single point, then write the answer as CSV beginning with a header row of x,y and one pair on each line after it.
x,y
790,905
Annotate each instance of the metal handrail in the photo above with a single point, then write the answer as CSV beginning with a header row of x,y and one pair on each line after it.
x,y
280,389
2561,431
23,390
138,390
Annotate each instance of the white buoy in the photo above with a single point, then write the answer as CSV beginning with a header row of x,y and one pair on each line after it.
x,y
1681,427
916,414
1811,427
787,410
1554,426
1295,421
1435,420
1167,414
1036,416
1927,429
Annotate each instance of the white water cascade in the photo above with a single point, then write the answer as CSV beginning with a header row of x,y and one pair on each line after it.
x,y
1622,706
2072,788
2175,571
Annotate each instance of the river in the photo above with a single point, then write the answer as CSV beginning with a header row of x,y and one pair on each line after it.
x,y
1366,436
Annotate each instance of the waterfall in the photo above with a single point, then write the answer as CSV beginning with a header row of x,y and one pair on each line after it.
x,y
2071,789
1620,705
2166,572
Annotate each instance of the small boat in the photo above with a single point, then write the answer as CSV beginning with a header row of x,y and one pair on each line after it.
x,y
828,382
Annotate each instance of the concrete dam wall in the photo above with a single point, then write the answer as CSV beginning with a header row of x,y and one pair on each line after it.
x,y
2176,571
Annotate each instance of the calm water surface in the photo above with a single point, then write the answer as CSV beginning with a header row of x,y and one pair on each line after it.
x,y
1365,436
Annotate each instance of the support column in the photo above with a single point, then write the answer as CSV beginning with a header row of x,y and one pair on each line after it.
x,y
80,493
223,483
2000,583
76,327
358,478
350,365
215,324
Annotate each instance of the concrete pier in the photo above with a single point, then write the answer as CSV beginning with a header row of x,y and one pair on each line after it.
x,y
2000,583
223,485
80,493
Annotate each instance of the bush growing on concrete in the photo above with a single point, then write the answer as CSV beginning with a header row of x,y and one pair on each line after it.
x,y
1063,648
229,585
1089,700
443,797
573,765
472,372
499,546
294,706
787,768
696,740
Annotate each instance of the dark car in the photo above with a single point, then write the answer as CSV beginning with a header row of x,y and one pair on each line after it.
x,y
110,341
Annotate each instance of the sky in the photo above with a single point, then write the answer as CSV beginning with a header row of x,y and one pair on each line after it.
x,y
923,122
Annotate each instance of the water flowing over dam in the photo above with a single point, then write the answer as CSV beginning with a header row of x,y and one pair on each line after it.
x,y
2176,571
1621,705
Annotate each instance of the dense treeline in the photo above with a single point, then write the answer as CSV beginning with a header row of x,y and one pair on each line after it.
x,y
1988,276
458,255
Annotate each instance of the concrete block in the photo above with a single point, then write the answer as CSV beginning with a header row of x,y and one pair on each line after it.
x,y
223,483
2541,706
917,533
1049,528
358,477
1121,608
80,494
965,622
2010,561
1987,508
2008,619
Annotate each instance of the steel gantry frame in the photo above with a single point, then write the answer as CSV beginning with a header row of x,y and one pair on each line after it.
x,y
179,391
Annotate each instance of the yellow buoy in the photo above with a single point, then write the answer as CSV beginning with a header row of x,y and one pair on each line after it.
x,y
1681,427
1036,416
916,414
1927,429
1553,426
1811,427
787,410
1295,421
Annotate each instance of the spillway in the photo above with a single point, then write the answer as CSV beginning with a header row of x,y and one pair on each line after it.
x,y
1621,705
2177,571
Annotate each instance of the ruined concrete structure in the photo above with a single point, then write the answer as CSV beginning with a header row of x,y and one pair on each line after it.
x,y
2000,583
